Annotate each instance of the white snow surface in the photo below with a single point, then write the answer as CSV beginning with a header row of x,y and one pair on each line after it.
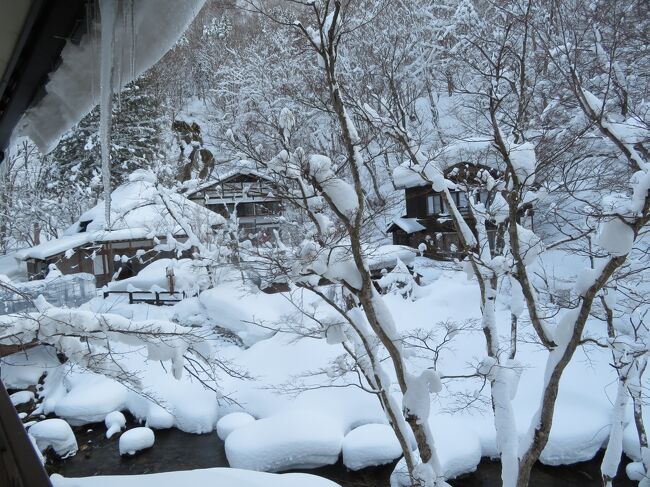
x,y
313,424
21,397
136,439
297,439
223,477
189,276
114,422
616,237
370,445
230,422
55,433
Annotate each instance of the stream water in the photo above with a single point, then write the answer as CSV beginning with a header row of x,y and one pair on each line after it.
x,y
175,450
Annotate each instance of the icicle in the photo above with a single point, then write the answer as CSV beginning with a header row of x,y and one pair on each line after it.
x,y
108,12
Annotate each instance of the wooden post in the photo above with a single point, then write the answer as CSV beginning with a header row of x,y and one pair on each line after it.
x,y
19,463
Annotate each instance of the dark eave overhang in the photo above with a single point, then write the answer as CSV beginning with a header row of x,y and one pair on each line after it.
x,y
47,26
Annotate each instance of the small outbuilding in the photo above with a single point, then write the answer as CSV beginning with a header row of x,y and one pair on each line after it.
x,y
146,223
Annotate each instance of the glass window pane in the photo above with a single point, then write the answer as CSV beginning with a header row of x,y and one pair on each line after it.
x,y
430,206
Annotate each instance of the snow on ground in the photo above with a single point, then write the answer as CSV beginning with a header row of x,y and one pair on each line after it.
x,y
54,433
114,422
313,427
230,422
136,439
297,439
370,445
189,277
21,397
223,477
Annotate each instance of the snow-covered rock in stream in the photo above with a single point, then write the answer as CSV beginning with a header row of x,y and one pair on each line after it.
x,y
21,397
136,439
290,440
370,445
114,422
231,422
55,433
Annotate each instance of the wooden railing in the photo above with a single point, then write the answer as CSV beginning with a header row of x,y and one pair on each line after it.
x,y
154,298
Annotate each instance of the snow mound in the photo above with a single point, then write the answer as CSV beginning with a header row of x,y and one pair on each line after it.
x,y
287,441
578,432
90,399
21,397
223,477
54,433
370,445
231,422
114,422
136,439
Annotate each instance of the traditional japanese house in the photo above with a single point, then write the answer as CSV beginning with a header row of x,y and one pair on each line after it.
x,y
427,220
146,224
247,194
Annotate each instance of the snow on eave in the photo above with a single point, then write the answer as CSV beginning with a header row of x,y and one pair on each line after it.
x,y
228,176
406,177
73,88
386,256
409,225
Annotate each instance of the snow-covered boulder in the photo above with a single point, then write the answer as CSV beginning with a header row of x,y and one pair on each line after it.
x,y
21,397
55,433
287,441
136,439
114,422
231,422
370,445
90,398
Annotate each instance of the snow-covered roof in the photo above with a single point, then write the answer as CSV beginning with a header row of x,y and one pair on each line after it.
x,y
385,256
409,225
139,210
471,152
225,177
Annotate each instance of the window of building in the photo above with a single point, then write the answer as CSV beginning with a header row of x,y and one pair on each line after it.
x,y
434,204
98,264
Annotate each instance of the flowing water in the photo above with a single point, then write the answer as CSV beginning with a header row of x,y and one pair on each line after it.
x,y
175,450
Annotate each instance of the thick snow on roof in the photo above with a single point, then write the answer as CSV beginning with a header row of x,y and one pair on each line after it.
x,y
73,88
138,211
222,178
386,256
409,225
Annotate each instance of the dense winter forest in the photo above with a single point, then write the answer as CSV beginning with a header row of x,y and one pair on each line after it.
x,y
407,238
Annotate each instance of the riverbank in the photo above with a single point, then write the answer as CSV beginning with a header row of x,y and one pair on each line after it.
x,y
176,450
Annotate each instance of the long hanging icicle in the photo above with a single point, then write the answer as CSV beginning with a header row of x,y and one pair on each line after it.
x,y
108,12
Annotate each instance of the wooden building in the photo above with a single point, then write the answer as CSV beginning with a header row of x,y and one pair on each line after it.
x,y
147,223
427,220
248,195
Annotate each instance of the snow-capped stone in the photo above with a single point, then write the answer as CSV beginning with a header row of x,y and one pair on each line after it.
x,y
291,440
55,433
21,397
114,422
370,445
136,439
231,422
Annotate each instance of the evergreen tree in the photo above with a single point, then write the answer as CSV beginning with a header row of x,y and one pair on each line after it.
x,y
136,138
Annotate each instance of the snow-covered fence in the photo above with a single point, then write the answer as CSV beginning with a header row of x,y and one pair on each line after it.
x,y
157,298
62,291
